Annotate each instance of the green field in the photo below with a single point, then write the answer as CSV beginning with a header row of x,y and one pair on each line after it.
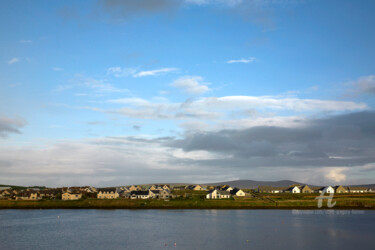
x,y
196,201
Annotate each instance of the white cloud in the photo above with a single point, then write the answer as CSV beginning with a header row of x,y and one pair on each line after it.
x,y
336,174
249,60
154,72
26,41
191,84
57,69
124,72
13,60
117,161
274,103
228,112
98,87
101,86
121,72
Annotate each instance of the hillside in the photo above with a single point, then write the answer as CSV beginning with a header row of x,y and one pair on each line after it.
x,y
255,184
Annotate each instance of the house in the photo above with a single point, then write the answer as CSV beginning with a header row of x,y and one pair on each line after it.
x,y
159,187
48,193
293,190
28,195
6,194
237,192
108,193
135,188
154,194
164,194
195,187
218,194
329,190
227,188
140,195
71,196
269,189
357,190
306,189
160,194
23,196
340,189
179,188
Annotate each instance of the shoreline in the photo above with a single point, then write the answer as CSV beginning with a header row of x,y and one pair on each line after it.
x,y
180,205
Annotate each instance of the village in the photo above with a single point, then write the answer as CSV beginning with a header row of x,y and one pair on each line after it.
x,y
165,192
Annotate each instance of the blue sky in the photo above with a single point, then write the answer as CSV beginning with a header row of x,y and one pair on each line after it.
x,y
119,92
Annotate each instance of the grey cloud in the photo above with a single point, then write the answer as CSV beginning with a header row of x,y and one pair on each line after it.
x,y
364,85
10,126
342,140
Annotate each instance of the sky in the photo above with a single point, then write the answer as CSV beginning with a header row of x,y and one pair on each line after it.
x,y
112,92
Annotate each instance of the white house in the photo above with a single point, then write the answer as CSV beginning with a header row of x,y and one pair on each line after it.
x,y
329,190
237,192
218,194
294,190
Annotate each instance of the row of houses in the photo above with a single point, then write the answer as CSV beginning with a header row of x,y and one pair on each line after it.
x,y
151,193
65,193
297,189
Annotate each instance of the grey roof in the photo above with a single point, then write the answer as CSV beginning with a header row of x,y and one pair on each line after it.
x,y
223,192
235,190
140,192
107,190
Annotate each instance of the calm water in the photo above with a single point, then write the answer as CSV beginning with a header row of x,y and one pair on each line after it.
x,y
189,229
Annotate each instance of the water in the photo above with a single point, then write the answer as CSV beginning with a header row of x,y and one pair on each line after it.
x,y
189,229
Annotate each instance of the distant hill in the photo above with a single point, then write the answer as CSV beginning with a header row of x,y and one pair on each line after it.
x,y
372,186
255,184
21,187
251,184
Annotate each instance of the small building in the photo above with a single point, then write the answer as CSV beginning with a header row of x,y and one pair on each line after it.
x,y
108,193
218,194
306,189
358,189
327,190
71,196
159,187
340,189
140,195
27,195
195,187
293,190
179,188
237,192
160,194
135,188
47,193
269,189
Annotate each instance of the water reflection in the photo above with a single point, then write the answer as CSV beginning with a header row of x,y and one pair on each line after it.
x,y
189,229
